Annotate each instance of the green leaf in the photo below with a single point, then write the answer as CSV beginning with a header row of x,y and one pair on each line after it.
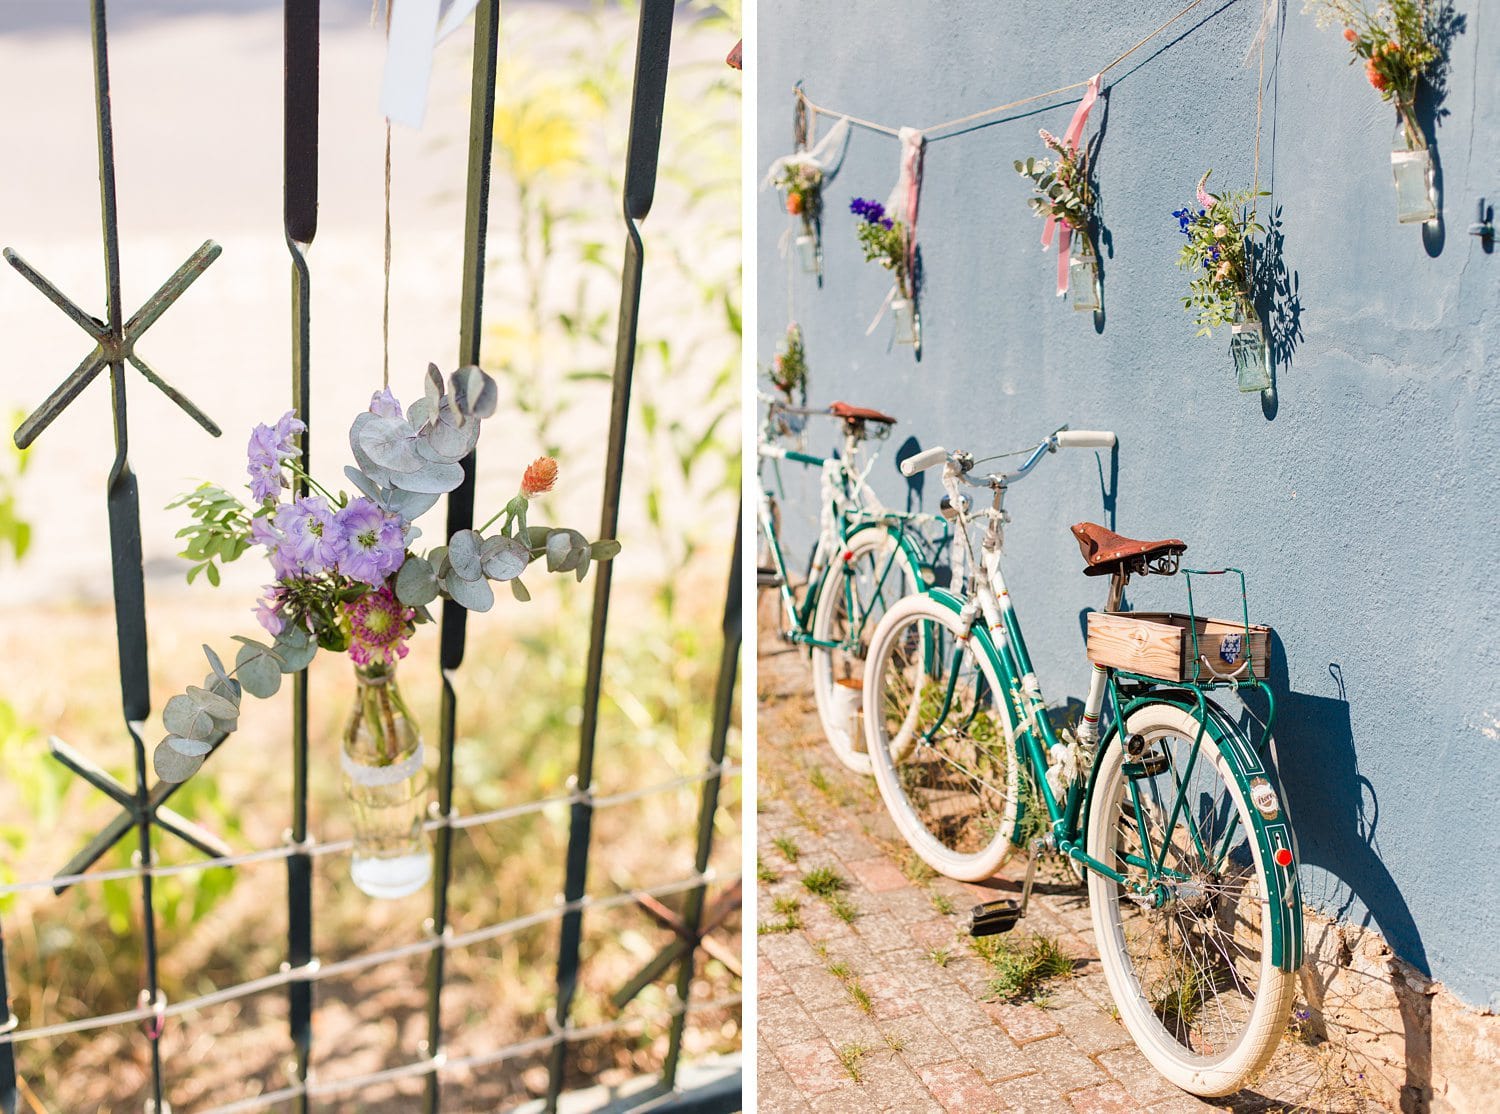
x,y
183,717
417,582
221,708
518,590
258,669
604,549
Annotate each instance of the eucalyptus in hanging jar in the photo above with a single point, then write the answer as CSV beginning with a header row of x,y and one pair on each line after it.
x,y
385,780
1083,274
1411,167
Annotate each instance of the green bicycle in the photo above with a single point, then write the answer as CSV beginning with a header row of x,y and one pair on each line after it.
x,y
1172,810
866,557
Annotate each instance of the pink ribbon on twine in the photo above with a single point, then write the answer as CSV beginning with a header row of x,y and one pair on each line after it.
x,y
1070,141
908,192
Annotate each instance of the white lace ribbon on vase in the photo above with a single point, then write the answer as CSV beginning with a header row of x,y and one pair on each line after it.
x,y
902,206
415,31
824,155
375,777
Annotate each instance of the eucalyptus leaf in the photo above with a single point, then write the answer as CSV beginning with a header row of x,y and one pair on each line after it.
x,y
367,487
473,391
476,595
536,536
518,590
504,558
446,440
420,413
583,566
214,663
408,504
296,647
391,443
258,670
432,386
558,549
191,748
182,717
604,549
463,554
433,478
375,472
220,707
173,766
416,583
228,689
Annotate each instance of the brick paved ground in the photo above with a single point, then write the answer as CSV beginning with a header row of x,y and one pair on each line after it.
x,y
887,1007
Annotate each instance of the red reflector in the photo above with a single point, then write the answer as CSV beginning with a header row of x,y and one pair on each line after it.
x,y
1283,856
848,555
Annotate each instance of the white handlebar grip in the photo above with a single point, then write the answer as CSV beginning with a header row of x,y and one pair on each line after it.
x,y
1086,439
923,460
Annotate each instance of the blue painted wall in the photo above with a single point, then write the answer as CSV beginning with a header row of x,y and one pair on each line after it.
x,y
1361,501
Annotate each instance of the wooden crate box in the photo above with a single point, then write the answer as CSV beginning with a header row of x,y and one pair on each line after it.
x,y
1160,644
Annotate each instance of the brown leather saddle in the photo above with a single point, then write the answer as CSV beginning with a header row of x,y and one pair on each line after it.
x,y
1108,553
851,413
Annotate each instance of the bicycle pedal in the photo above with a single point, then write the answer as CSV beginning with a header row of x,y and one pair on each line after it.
x,y
993,917
1149,765
767,578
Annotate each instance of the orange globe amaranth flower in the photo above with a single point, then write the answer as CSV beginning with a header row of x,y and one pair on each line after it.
x,y
794,204
1377,78
1349,35
539,477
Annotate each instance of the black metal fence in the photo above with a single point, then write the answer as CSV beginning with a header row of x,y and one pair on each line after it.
x,y
143,807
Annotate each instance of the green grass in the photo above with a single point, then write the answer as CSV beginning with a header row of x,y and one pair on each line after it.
x,y
788,848
843,908
820,781
940,956
841,971
763,872
824,881
850,1055
941,902
1022,968
893,1042
786,906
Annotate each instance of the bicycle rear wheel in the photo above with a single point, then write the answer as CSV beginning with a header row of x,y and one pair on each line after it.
x,y
1191,967
940,738
864,578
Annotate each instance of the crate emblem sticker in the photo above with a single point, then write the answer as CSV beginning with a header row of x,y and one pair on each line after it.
x,y
1263,797
1229,647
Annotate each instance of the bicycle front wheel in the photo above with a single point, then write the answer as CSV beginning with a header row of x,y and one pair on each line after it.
x,y
941,740
865,577
1188,954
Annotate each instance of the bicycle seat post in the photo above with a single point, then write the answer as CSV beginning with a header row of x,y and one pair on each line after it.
x,y
1117,584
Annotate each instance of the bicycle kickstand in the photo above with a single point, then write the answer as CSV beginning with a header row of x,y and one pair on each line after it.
x,y
994,917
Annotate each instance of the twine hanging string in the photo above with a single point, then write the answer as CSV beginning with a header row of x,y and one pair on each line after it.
x,y
385,314
946,125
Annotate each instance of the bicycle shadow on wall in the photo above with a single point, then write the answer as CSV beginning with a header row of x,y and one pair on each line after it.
x,y
1336,811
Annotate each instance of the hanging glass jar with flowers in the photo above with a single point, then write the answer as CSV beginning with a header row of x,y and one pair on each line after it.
x,y
1064,198
884,240
789,368
1217,254
801,185
347,580
1395,41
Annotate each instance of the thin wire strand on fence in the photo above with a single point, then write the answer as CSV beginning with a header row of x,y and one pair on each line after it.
x,y
342,846
984,112
417,1069
318,972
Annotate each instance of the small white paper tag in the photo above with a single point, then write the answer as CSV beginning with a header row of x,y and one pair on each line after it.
x,y
408,61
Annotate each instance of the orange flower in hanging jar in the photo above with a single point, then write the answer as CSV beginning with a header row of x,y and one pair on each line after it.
x,y
1350,35
794,204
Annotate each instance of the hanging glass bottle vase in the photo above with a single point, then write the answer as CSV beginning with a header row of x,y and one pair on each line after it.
x,y
810,250
1411,166
904,314
1083,274
1247,345
386,785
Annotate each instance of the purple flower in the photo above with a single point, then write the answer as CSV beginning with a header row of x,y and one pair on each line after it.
x,y
374,542
379,625
269,447
268,610
313,535
263,532
385,405
871,211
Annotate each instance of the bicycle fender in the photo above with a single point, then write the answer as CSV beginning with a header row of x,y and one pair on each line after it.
x,y
1272,833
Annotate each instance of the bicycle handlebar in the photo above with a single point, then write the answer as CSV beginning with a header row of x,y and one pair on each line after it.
x,y
1084,439
920,462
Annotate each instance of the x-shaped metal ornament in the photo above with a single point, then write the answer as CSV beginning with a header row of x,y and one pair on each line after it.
x,y
726,904
113,346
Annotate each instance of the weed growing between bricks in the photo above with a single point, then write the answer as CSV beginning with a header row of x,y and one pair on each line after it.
x,y
1023,968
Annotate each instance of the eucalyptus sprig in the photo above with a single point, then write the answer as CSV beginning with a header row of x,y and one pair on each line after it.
x,y
1061,185
1217,250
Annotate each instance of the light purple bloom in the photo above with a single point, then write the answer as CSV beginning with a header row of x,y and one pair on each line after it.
x,y
313,535
263,532
269,447
268,610
375,542
385,405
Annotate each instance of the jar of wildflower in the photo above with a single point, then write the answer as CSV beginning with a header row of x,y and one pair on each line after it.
x,y
385,780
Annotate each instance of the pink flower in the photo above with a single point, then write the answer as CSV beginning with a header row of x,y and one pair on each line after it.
x,y
1205,198
379,625
1220,231
539,477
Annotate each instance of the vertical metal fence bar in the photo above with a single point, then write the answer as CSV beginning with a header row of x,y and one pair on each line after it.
x,y
708,806
125,529
653,46
300,220
461,501
10,1099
